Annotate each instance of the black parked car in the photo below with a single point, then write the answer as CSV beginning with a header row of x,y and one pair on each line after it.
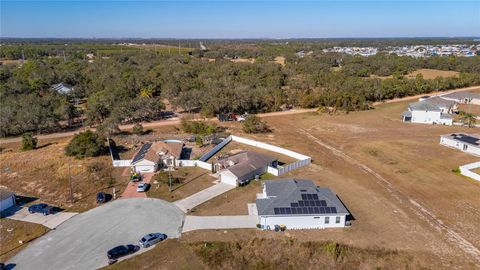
x,y
101,197
42,208
119,251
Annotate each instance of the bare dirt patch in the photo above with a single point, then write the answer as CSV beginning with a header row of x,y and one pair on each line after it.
x,y
279,60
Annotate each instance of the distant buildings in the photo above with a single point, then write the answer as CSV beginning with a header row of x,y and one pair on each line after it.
x,y
412,50
299,204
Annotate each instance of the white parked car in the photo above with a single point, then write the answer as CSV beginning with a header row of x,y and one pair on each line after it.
x,y
241,118
142,187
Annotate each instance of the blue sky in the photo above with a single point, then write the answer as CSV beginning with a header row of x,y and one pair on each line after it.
x,y
239,19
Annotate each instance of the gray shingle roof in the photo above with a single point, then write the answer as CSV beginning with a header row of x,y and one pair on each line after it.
x,y
62,87
298,197
424,106
440,102
246,162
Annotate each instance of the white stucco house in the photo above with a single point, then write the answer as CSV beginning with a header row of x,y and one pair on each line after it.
x,y
299,204
244,166
154,156
7,199
425,112
469,143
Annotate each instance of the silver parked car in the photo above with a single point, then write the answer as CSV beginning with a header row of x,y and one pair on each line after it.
x,y
152,239
142,187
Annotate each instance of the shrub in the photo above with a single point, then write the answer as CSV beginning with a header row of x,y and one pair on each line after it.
x,y
199,141
28,141
253,124
137,129
198,127
85,144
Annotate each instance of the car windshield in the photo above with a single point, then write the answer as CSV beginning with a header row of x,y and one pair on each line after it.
x,y
143,239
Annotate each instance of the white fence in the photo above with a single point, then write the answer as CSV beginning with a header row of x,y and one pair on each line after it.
x,y
270,147
193,163
466,170
280,170
121,162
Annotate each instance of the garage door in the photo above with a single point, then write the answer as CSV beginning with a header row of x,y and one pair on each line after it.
x,y
228,178
6,203
144,168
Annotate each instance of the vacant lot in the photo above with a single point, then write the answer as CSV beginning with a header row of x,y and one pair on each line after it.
x,y
394,177
43,173
260,253
15,235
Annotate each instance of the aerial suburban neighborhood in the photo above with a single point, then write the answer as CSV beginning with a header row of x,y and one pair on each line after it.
x,y
239,135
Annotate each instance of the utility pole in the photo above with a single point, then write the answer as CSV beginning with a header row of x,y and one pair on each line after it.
x,y
179,47
70,181
169,180
64,57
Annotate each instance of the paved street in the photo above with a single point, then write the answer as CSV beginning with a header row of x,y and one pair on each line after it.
x,y
219,222
83,241
203,196
50,221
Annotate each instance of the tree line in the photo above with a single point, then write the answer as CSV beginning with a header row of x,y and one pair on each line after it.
x,y
132,86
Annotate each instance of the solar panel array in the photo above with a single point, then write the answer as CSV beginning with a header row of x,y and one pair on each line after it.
x,y
141,154
466,138
310,204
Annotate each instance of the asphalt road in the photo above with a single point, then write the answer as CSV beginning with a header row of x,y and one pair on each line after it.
x,y
82,242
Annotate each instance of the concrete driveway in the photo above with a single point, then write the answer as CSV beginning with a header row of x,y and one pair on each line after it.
x,y
202,196
219,222
51,221
83,241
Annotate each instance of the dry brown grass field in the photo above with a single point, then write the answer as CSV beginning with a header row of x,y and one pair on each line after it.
x,y
394,177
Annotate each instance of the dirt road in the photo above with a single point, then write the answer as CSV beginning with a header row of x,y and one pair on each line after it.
x,y
154,124
416,97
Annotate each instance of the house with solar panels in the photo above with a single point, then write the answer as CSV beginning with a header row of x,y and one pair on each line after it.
x,y
154,156
425,112
299,204
469,143
62,88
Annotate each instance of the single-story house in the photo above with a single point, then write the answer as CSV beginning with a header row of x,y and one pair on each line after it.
x,y
299,204
463,97
7,199
469,143
156,155
63,88
426,113
244,166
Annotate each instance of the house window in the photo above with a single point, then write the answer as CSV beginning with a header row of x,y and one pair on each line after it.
x,y
465,147
316,217
327,220
337,220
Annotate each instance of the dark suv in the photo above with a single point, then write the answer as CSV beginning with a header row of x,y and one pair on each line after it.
x,y
42,208
119,251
